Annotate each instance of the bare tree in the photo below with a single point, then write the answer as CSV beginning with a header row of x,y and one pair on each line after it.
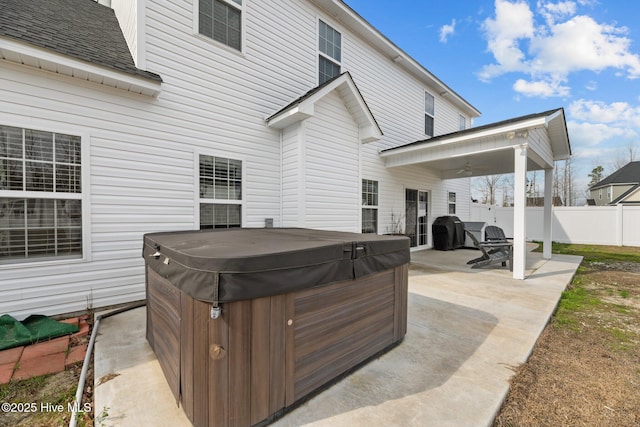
x,y
487,186
630,154
566,182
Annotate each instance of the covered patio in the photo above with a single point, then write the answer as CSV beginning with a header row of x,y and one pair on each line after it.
x,y
528,143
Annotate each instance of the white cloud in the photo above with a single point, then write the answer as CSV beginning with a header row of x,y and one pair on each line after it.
x,y
591,134
549,52
541,89
447,30
583,44
513,22
554,11
621,114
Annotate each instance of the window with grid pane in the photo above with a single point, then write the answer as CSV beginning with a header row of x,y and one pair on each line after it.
x,y
369,206
40,194
220,192
429,113
221,21
452,203
330,52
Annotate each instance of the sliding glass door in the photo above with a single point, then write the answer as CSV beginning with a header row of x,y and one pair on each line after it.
x,y
417,216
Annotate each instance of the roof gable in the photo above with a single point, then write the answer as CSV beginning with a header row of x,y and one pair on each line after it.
x,y
304,107
628,174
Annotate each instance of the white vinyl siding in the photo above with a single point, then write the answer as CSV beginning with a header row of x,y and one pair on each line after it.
x,y
142,153
332,184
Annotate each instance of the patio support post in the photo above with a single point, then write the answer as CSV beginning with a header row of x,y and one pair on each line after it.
x,y
519,211
548,214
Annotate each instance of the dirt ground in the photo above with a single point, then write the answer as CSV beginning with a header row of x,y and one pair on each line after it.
x,y
585,368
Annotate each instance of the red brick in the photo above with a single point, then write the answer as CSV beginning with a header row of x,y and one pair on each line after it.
x,y
71,321
76,354
6,371
11,355
83,332
41,365
58,345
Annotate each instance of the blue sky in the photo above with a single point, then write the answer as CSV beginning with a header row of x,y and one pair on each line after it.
x,y
512,58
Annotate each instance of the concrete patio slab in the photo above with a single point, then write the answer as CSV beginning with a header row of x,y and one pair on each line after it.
x,y
467,330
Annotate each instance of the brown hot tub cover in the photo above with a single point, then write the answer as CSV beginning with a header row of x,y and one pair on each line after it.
x,y
238,264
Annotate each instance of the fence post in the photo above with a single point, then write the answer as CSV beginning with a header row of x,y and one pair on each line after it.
x,y
619,225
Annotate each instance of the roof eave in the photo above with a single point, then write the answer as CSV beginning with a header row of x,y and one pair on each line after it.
x,y
342,12
47,60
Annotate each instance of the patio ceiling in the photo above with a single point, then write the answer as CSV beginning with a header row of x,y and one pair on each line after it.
x,y
489,149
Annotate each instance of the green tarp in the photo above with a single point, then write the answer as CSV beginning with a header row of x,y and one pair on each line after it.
x,y
14,333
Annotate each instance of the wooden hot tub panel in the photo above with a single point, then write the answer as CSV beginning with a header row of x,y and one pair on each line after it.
x,y
263,355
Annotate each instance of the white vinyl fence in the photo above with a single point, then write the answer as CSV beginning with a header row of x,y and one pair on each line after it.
x,y
597,225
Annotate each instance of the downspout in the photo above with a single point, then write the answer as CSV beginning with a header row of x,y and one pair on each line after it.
x,y
87,358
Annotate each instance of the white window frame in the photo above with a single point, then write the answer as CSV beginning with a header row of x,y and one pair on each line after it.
x,y
371,207
324,55
243,12
462,120
431,114
198,200
451,203
84,196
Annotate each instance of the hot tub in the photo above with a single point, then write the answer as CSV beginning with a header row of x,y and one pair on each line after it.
x,y
247,322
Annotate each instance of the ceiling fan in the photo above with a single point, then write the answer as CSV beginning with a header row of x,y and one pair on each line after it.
x,y
467,170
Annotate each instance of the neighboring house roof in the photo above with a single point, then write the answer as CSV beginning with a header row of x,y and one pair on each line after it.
x,y
82,29
304,107
620,198
628,174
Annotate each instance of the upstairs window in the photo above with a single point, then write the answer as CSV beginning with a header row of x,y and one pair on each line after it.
x,y
329,52
221,20
463,122
40,195
220,192
429,113
369,206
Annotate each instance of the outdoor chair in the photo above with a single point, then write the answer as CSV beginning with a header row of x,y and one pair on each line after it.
x,y
493,233
493,251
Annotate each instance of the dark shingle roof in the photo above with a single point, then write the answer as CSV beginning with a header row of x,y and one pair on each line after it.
x,y
307,95
628,174
82,29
